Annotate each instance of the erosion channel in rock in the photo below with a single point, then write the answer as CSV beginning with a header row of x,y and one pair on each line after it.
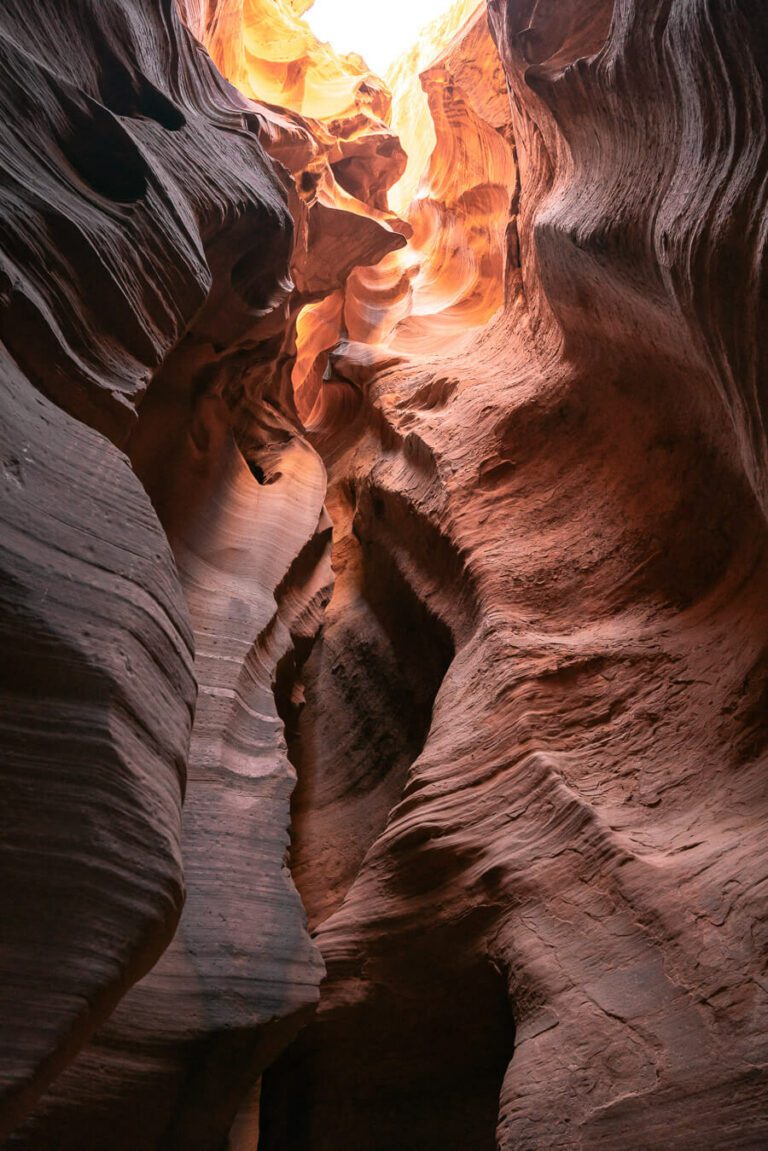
x,y
383,488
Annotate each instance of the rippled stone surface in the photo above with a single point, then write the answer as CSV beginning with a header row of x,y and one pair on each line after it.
x,y
521,689
145,302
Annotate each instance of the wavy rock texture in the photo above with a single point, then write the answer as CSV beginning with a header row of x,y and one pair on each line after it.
x,y
332,132
447,283
530,738
96,699
540,897
145,273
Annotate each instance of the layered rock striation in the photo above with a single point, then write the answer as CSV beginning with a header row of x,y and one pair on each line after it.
x,y
552,938
146,303
453,518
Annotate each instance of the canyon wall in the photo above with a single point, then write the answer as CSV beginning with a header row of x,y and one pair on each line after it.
x,y
461,512
146,301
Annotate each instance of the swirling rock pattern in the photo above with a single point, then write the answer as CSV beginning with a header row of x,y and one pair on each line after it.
x,y
553,936
145,261
96,704
530,739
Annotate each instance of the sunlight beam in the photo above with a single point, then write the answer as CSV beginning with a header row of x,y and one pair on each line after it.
x,y
377,32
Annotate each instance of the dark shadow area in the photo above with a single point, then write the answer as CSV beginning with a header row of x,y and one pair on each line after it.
x,y
415,1067
360,720
412,1059
102,153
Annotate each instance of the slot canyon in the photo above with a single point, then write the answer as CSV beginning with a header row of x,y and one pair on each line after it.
x,y
383,573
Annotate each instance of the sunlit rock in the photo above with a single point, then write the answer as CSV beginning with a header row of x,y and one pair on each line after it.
x,y
459,484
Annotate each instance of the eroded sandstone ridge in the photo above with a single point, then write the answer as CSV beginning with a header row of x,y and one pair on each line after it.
x,y
450,510
146,297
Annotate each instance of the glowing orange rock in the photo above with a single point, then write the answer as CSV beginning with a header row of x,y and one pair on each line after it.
x,y
455,194
411,115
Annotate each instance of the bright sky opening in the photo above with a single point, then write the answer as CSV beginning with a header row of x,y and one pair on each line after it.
x,y
379,32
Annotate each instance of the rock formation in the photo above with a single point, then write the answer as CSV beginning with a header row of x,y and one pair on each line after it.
x,y
453,517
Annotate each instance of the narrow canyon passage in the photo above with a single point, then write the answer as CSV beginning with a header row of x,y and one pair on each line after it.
x,y
382,577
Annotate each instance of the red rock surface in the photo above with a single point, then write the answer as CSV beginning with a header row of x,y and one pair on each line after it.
x,y
530,735
546,922
136,196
